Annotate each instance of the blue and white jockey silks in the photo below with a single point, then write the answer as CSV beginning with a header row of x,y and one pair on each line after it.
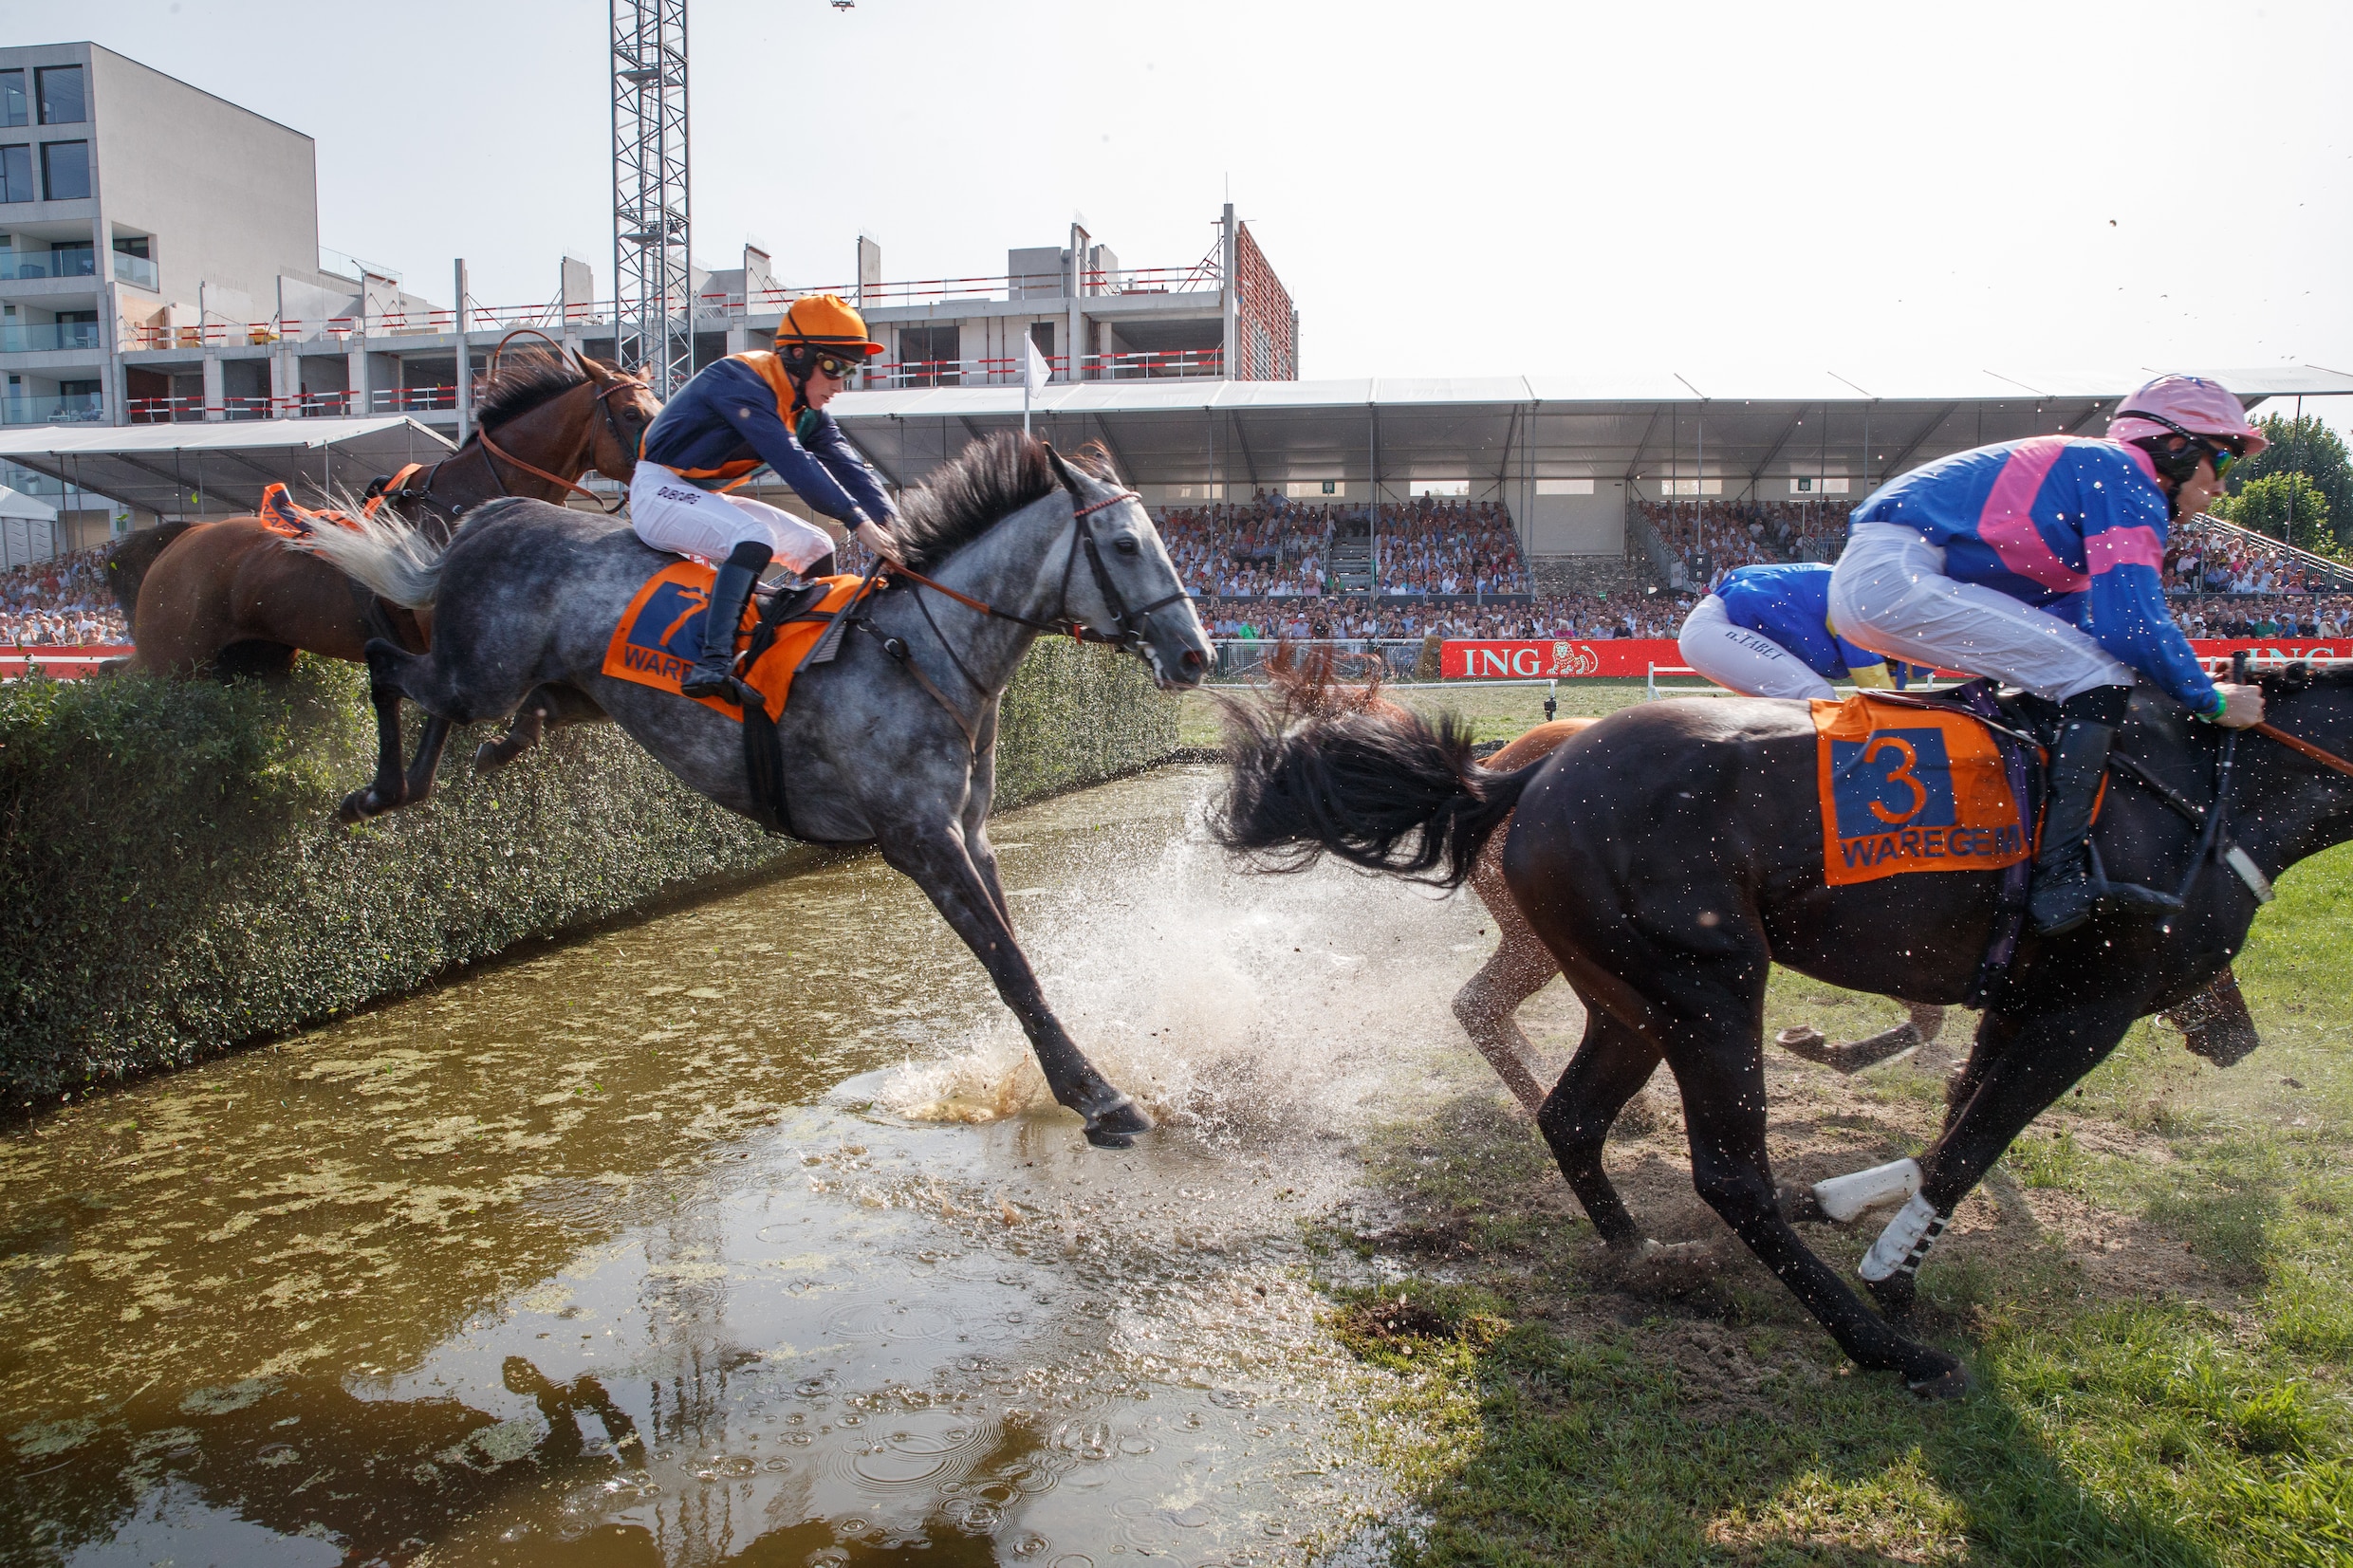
x,y
1764,631
2037,562
734,415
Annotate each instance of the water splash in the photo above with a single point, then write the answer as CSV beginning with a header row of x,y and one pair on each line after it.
x,y
1233,1002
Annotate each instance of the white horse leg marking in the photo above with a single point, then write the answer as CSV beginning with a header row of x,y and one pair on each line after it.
x,y
1904,1242
1845,1198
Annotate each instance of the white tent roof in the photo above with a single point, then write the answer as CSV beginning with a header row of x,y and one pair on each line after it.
x,y
1517,427
17,504
190,468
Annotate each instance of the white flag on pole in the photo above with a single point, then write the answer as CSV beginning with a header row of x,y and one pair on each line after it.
x,y
1036,372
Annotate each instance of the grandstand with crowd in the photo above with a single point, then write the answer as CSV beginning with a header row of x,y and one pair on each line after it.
x,y
1279,566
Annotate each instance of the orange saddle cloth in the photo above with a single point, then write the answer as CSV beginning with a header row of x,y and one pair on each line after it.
x,y
1907,790
661,634
281,515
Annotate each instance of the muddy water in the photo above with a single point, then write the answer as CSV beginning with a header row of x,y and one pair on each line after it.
x,y
746,1233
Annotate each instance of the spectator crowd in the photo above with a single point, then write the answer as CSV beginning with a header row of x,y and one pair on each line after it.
x,y
1580,617
59,602
1264,570
1706,538
1276,547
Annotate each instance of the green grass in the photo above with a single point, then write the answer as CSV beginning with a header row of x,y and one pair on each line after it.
x,y
1542,1414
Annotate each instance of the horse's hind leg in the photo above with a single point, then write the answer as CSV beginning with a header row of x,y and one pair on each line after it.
x,y
1610,1067
546,707
935,857
389,786
427,762
1517,970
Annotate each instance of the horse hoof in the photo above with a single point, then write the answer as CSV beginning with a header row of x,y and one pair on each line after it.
x,y
1950,1384
357,808
1896,1296
489,758
1117,1127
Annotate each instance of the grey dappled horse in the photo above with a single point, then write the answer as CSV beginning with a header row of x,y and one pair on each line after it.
x,y
893,742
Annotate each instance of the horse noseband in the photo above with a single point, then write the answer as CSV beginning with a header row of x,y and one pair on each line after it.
x,y
1130,622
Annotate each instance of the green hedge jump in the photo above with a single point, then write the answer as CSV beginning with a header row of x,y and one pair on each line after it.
x,y
175,882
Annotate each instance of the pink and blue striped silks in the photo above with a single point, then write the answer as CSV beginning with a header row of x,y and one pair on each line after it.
x,y
2074,528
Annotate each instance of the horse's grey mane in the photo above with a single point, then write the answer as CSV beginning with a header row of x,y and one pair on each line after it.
x,y
526,380
989,481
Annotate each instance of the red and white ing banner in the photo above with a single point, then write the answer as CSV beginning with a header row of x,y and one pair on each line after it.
x,y
1639,656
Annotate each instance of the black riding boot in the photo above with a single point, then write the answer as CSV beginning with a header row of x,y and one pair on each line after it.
x,y
2066,891
713,674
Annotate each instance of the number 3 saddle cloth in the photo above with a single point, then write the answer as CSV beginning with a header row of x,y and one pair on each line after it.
x,y
1907,788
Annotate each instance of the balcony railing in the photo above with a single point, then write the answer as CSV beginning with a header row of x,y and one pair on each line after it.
x,y
894,374
80,262
72,408
32,338
597,316
139,270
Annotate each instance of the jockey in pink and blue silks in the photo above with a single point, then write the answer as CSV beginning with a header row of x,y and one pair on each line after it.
x,y
2039,563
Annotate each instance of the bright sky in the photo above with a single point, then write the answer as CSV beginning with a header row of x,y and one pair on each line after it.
x,y
1735,192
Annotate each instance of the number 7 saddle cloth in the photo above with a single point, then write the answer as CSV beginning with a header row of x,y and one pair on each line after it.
x,y
1910,788
658,635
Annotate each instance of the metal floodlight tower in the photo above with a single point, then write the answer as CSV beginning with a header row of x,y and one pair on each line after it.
x,y
654,313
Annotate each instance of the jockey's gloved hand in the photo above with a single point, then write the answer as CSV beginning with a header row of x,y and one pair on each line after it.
x,y
878,538
2242,706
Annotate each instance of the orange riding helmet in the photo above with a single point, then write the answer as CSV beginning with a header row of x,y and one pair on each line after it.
x,y
824,324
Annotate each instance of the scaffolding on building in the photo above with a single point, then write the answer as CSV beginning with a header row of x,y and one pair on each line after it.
x,y
651,278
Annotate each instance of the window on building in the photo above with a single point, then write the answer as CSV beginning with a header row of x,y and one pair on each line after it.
x,y
1042,334
73,259
62,99
928,355
17,174
11,97
66,170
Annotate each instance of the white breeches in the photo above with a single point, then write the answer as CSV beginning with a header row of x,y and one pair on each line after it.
x,y
1750,662
1890,595
671,514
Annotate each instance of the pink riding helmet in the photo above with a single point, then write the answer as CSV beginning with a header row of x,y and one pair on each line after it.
x,y
2192,402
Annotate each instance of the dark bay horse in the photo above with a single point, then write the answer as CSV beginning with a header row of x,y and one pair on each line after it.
x,y
206,599
1668,856
1314,685
222,599
892,742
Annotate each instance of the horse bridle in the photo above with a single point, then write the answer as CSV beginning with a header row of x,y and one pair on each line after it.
x,y
620,380
1129,637
1131,623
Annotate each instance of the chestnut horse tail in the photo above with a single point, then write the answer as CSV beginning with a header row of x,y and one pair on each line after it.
x,y
387,557
1381,788
129,560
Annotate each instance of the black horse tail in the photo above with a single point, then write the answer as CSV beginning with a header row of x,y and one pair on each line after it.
x,y
1381,788
130,558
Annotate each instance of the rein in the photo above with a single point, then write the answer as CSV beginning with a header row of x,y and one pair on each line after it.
x,y
2326,759
1131,623
1063,624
